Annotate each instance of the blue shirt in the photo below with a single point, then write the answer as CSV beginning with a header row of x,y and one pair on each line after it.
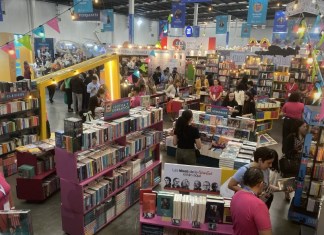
x,y
238,176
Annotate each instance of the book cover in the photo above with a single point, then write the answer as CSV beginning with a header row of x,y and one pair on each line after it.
x,y
142,191
286,183
149,205
165,204
234,122
214,211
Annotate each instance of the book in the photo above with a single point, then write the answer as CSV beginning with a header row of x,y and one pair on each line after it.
x,y
285,183
149,205
16,222
214,211
165,204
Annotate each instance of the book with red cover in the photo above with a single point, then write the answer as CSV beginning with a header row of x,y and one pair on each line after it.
x,y
149,203
142,191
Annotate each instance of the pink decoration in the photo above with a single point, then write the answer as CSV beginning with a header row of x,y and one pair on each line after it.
x,y
10,49
321,116
161,35
130,78
147,60
53,23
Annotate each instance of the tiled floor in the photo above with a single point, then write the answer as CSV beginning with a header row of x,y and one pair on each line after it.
x,y
47,219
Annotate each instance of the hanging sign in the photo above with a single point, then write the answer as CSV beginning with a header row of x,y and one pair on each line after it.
x,y
280,24
107,18
196,31
246,30
257,13
221,24
83,6
91,16
189,31
179,15
163,28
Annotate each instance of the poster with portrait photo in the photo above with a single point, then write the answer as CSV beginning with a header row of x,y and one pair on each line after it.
x,y
191,178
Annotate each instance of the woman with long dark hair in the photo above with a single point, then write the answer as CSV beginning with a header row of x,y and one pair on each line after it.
x,y
186,137
248,109
230,103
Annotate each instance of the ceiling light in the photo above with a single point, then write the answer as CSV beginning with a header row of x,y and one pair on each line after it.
x,y
139,22
209,8
96,1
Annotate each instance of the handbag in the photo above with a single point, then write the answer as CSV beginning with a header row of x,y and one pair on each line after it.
x,y
289,167
197,153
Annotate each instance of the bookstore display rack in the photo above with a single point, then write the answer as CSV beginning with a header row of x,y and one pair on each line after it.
x,y
16,222
266,76
307,203
235,74
36,168
19,108
212,64
199,63
134,60
252,66
280,79
99,184
166,212
267,110
224,73
299,70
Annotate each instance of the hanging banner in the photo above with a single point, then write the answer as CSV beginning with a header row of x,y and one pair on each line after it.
x,y
179,15
246,30
280,24
189,31
131,28
279,39
1,15
44,47
107,18
257,13
221,24
163,28
187,44
83,6
304,6
40,31
92,16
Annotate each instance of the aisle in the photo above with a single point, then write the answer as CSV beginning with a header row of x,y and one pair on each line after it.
x,y
47,218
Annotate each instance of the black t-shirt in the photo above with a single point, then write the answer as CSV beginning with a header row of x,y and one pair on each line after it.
x,y
186,140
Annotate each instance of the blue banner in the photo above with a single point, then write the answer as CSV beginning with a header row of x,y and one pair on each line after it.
x,y
91,16
196,31
280,24
246,30
131,28
83,6
221,24
107,19
163,28
279,39
179,15
257,13
1,16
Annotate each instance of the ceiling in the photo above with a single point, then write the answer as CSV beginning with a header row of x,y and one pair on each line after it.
x,y
160,9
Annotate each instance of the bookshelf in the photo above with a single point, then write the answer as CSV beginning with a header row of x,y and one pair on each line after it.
x,y
123,165
252,67
19,109
225,70
266,77
212,64
306,205
299,69
280,79
267,110
44,181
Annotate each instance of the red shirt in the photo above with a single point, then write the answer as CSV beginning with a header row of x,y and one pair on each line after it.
x,y
293,110
290,88
135,101
4,186
216,91
250,215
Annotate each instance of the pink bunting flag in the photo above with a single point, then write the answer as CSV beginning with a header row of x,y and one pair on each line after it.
x,y
161,35
53,23
9,48
130,79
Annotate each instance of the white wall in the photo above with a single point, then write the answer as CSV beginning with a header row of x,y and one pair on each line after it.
x,y
16,20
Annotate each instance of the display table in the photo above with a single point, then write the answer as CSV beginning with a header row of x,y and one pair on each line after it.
x,y
192,102
185,225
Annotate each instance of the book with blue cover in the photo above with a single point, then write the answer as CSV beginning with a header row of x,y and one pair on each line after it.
x,y
165,204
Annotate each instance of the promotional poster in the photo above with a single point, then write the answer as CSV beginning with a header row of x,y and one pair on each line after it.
x,y
107,19
179,15
83,6
257,13
191,178
221,24
91,16
280,22
163,28
245,30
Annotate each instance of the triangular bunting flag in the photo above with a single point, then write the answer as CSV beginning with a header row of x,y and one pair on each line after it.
x,y
130,79
143,68
165,28
25,41
53,23
158,45
161,35
137,73
10,49
147,60
169,19
40,31
152,53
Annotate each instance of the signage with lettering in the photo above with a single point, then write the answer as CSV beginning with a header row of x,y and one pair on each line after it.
x,y
91,16
189,31
217,110
12,95
116,108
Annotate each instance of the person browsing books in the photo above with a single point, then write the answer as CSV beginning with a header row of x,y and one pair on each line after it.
x,y
248,109
173,90
249,214
263,159
186,137
136,99
215,92
230,103
95,103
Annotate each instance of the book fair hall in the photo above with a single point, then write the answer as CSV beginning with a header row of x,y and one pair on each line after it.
x,y
161,117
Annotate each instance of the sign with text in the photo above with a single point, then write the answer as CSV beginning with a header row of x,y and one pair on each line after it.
x,y
91,16
257,13
116,108
280,22
163,28
217,110
221,24
126,51
107,19
179,15
246,30
280,60
187,44
82,6
44,47
191,178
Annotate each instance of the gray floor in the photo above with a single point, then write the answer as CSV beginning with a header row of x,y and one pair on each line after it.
x,y
47,219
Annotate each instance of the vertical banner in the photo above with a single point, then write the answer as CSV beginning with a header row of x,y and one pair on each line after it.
x,y
221,24
280,24
107,19
1,15
246,30
257,13
196,31
44,47
131,28
83,6
179,15
163,28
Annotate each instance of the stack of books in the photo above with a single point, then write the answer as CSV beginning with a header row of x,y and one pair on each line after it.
x,y
26,171
229,154
45,163
16,222
23,85
9,164
6,147
50,185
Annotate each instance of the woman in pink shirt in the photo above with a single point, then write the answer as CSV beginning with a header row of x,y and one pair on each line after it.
x,y
136,99
292,110
291,87
215,92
